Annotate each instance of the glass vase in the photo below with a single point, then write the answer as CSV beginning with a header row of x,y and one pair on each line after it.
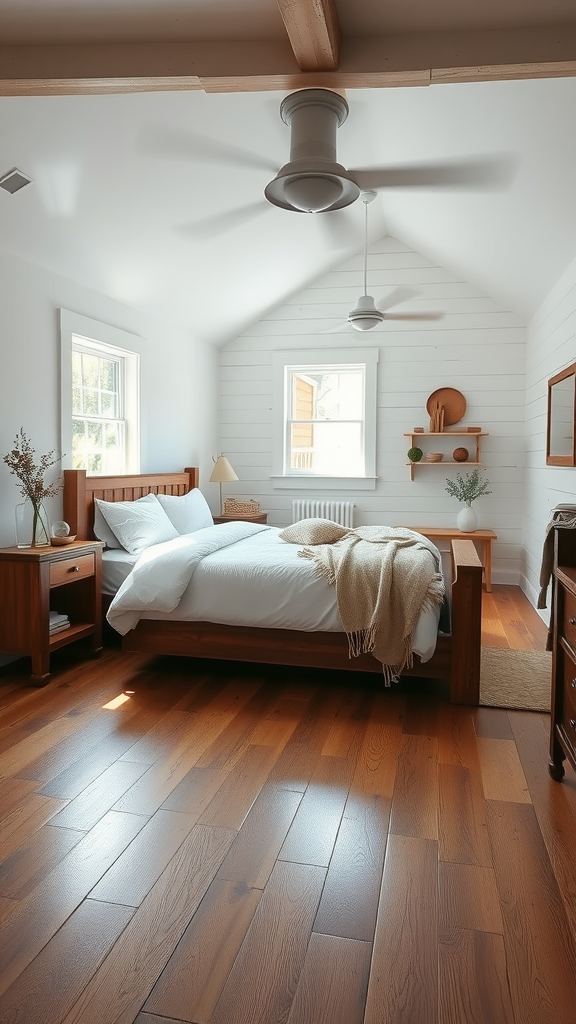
x,y
32,526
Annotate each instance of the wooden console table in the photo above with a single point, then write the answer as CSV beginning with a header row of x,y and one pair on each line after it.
x,y
484,537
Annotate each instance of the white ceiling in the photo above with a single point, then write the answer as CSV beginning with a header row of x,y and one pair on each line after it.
x,y
119,180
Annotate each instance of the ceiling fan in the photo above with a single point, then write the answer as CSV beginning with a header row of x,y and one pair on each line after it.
x,y
365,315
313,181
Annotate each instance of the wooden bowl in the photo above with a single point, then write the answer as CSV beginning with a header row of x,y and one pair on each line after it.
x,y
434,457
60,541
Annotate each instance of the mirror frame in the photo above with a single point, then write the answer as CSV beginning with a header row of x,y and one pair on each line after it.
x,y
561,460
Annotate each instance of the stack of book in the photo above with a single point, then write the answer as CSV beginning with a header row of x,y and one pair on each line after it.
x,y
58,622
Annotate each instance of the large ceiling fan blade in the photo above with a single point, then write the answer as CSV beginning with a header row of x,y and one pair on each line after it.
x,y
163,141
396,297
413,316
495,172
339,329
219,223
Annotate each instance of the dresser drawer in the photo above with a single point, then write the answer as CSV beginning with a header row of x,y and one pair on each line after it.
x,y
569,679
69,569
569,619
568,722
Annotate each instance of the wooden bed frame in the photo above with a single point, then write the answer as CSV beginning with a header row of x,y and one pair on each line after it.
x,y
456,659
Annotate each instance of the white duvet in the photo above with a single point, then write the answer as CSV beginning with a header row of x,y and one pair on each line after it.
x,y
240,574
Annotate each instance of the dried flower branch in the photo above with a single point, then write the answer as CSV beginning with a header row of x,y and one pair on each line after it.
x,y
20,462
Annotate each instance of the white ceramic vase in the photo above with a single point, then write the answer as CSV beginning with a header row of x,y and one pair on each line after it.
x,y
467,520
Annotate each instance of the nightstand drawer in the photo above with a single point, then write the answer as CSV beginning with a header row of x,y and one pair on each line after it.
x,y
569,619
70,569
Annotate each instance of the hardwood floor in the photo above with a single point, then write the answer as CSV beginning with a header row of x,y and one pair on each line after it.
x,y
252,845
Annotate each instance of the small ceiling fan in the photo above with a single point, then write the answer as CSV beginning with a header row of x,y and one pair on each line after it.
x,y
365,315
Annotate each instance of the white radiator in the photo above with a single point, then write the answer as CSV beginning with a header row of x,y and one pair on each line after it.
x,y
312,508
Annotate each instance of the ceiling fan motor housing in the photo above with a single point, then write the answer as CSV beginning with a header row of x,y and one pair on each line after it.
x,y
365,316
313,181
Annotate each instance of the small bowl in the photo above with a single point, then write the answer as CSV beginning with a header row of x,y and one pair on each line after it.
x,y
434,457
60,541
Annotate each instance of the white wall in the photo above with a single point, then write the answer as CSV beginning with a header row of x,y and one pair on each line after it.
x,y
478,347
551,345
179,378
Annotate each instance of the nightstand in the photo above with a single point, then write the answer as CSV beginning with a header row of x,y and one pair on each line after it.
x,y
34,581
262,517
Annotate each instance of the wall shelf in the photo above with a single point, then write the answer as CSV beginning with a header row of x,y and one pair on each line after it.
x,y
477,435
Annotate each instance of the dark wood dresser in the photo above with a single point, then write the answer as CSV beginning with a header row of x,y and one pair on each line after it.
x,y
563,721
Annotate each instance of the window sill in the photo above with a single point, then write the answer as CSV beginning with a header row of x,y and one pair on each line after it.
x,y
326,483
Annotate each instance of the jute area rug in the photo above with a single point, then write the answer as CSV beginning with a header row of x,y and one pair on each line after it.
x,y
515,679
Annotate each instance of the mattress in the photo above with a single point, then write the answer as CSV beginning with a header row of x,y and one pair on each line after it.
x,y
260,580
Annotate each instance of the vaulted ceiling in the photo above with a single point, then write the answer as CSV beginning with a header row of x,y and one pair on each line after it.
x,y
150,128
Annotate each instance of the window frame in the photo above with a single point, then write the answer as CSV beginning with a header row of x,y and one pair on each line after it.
x,y
282,363
82,333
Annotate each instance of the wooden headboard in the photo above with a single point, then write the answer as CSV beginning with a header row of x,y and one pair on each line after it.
x,y
80,491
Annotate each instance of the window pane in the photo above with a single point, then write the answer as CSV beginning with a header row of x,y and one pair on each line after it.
x,y
90,370
95,434
336,395
303,397
108,404
77,401
89,402
108,374
336,449
111,435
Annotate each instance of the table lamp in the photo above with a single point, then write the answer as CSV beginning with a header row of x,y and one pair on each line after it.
x,y
222,474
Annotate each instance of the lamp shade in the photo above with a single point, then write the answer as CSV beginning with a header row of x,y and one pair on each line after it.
x,y
222,472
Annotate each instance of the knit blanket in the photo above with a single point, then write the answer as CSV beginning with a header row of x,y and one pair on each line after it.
x,y
384,577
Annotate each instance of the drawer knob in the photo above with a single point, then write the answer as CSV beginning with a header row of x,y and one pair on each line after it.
x,y
74,568
573,684
572,622
573,723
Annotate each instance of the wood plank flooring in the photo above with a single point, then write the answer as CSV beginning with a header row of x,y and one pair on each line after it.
x,y
252,845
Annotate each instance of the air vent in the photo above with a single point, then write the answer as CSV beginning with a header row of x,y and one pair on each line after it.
x,y
14,181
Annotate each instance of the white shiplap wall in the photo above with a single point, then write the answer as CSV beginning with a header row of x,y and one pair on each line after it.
x,y
477,347
551,345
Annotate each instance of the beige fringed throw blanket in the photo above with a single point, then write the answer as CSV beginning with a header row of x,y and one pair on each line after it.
x,y
384,578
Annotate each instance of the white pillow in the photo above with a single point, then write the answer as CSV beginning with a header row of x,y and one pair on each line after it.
x,y
137,524
101,529
187,512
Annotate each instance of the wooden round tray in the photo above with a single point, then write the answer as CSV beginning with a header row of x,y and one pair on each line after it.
x,y
453,401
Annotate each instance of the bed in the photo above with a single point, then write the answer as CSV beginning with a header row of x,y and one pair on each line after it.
x,y
456,658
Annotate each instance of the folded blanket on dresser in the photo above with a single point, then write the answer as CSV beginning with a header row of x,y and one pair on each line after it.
x,y
384,577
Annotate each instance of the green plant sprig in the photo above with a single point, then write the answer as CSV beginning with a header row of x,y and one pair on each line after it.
x,y
467,489
20,462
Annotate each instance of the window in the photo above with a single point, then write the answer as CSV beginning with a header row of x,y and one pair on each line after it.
x,y
325,418
100,397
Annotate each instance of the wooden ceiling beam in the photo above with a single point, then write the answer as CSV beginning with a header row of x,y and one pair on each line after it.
x,y
256,66
314,33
